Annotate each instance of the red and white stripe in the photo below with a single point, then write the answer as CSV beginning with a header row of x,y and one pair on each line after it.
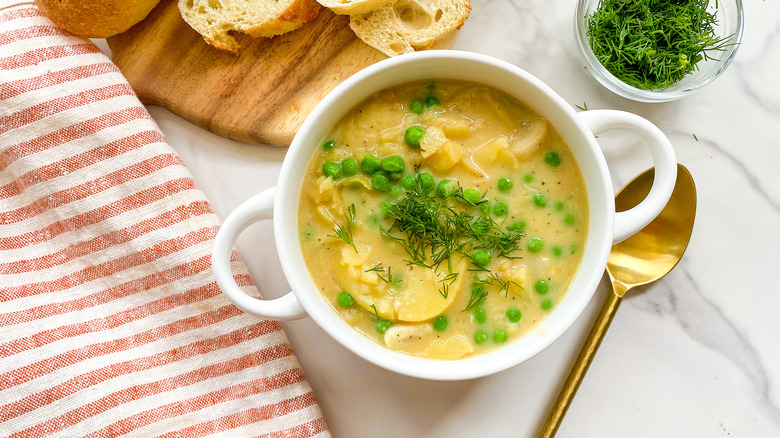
x,y
110,320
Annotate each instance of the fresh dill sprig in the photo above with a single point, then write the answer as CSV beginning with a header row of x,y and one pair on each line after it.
x,y
389,278
344,233
377,268
446,282
478,295
434,228
653,44
494,279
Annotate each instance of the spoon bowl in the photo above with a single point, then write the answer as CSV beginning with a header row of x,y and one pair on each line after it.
x,y
655,250
645,257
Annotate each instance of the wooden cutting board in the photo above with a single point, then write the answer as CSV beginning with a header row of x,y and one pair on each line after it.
x,y
260,96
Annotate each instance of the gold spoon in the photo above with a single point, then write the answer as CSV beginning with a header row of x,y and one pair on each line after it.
x,y
641,259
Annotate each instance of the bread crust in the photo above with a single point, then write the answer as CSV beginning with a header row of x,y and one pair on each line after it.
x,y
300,12
96,18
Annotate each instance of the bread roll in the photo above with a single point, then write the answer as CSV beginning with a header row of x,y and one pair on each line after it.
x,y
215,19
96,18
403,26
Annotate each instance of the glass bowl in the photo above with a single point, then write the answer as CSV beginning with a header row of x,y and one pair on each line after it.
x,y
729,25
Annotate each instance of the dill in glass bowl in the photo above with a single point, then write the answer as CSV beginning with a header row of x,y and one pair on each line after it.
x,y
657,51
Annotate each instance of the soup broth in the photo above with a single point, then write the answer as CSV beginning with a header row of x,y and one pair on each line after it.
x,y
443,218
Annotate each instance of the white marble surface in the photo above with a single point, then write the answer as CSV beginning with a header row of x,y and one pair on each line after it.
x,y
694,355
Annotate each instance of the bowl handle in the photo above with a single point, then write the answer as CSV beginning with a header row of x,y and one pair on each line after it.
x,y
257,208
630,221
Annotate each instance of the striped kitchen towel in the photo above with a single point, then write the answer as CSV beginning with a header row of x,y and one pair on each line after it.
x,y
111,322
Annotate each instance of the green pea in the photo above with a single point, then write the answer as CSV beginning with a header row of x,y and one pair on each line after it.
x,y
445,188
480,314
513,314
332,169
535,244
349,166
528,178
481,258
370,164
559,206
504,185
480,337
307,234
396,191
472,195
380,182
547,304
552,159
395,176
569,219
386,207
431,101
416,106
345,299
328,145
413,136
500,336
392,164
382,325
518,226
557,251
500,208
407,182
431,87
426,180
440,323
541,287
540,200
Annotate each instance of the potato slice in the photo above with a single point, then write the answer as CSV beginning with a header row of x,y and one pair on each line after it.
x,y
433,139
454,347
518,274
385,305
494,151
528,137
421,299
445,157
364,286
421,340
409,338
454,126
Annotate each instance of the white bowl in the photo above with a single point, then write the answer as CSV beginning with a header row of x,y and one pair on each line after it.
x,y
578,129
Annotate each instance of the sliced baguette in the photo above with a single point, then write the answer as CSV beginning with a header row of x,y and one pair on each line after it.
x,y
403,26
216,19
352,7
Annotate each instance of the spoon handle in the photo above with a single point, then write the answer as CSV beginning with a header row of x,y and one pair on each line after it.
x,y
580,366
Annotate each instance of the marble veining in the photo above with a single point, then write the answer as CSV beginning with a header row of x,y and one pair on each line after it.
x,y
693,355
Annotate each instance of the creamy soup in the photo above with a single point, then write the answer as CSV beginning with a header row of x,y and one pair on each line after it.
x,y
443,219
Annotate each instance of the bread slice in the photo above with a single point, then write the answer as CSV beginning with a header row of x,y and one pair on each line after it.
x,y
352,7
403,26
216,19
